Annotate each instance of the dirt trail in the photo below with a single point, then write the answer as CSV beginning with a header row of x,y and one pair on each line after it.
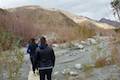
x,y
67,58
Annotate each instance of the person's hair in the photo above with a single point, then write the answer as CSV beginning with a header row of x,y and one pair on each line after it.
x,y
43,40
32,41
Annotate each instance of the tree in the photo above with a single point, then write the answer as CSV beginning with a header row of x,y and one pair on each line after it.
x,y
116,7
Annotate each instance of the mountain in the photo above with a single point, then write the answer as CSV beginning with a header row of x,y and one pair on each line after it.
x,y
99,27
35,20
31,21
110,22
43,17
80,19
38,20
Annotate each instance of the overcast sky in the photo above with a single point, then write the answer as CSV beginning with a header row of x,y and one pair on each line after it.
x,y
95,9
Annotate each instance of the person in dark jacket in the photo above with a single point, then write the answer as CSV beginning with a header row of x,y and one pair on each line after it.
x,y
32,50
46,59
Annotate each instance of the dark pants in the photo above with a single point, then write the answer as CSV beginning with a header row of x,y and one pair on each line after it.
x,y
45,73
33,63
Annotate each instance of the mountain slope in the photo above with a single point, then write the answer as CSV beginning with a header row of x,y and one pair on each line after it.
x,y
80,19
43,17
31,21
44,21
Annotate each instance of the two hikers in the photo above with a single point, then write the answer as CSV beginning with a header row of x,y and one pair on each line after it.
x,y
44,59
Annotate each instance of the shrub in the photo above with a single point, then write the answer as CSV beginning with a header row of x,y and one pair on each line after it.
x,y
8,41
11,57
88,67
83,32
115,56
115,46
103,61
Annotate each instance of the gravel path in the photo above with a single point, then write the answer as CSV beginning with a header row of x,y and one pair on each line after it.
x,y
67,58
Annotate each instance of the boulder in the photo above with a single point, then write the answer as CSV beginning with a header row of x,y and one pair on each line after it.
x,y
55,45
55,73
73,73
92,41
80,46
83,42
78,66
87,43
65,71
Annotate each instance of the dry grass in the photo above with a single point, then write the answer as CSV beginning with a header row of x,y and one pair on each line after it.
x,y
11,63
11,58
101,62
115,48
88,67
116,55
7,40
84,32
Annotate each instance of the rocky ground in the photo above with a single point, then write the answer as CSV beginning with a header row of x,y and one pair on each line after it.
x,y
76,61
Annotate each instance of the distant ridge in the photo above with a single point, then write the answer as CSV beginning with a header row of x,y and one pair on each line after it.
x,y
110,22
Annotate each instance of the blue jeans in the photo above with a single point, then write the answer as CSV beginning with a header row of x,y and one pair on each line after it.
x,y
45,73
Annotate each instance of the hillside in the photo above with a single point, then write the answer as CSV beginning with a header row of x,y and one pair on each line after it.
x,y
99,27
43,21
80,19
31,21
34,21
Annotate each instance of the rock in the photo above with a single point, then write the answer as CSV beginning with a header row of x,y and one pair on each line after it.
x,y
64,46
78,66
92,41
80,46
108,60
65,71
55,45
73,73
82,50
87,43
55,73
83,42
51,36
72,54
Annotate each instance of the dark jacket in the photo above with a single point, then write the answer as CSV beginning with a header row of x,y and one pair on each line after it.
x,y
31,49
45,57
